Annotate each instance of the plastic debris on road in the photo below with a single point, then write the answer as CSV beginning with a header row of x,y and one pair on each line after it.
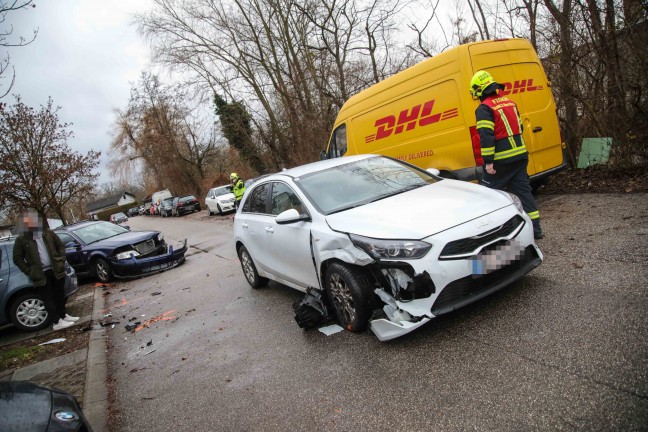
x,y
331,329
53,341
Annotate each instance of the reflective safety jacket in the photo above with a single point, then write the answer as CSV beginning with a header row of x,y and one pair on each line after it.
x,y
238,190
500,130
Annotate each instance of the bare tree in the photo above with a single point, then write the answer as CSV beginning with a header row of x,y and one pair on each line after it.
x,y
7,40
37,168
173,144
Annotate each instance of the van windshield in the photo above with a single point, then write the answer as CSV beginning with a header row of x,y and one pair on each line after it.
x,y
361,182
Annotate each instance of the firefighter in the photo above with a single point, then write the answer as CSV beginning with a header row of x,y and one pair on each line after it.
x,y
238,188
502,146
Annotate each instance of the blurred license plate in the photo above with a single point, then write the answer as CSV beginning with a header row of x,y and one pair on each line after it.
x,y
497,257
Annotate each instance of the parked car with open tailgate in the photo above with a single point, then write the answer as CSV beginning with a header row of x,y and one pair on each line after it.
x,y
109,251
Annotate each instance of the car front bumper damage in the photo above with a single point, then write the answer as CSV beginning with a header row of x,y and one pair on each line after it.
x,y
140,266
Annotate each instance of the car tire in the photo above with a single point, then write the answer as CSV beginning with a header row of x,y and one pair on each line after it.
x,y
102,270
28,312
349,292
220,210
249,269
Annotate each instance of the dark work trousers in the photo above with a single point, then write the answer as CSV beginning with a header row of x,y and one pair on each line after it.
x,y
54,295
512,177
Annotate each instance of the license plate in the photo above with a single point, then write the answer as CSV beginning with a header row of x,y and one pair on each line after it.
x,y
494,259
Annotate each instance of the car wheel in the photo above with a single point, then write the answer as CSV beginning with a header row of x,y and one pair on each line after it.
x,y
102,270
220,210
28,312
249,269
349,292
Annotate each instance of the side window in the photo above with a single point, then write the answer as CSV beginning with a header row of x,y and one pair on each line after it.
x,y
284,198
65,238
257,201
338,144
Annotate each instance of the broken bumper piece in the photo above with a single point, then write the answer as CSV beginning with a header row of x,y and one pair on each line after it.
x,y
135,267
387,330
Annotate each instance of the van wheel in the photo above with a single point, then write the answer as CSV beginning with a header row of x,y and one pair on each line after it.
x,y
349,292
28,312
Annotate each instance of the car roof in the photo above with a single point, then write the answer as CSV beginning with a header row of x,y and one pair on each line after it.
x,y
321,165
77,225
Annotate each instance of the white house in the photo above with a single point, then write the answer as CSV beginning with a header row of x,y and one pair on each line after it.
x,y
115,201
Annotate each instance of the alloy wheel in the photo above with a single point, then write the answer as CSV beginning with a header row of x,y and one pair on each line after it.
x,y
342,298
246,261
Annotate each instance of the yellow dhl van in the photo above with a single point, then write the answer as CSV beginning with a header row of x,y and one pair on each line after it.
x,y
425,114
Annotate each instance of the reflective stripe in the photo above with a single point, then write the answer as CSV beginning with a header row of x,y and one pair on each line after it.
x,y
488,151
534,214
509,131
510,153
486,124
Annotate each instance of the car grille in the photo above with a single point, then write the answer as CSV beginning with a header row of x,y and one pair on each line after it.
x,y
456,248
461,291
145,247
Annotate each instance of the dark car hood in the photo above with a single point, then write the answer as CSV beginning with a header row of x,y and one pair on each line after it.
x,y
131,237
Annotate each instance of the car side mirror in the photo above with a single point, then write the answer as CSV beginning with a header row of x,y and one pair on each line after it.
x,y
323,155
291,216
71,245
434,172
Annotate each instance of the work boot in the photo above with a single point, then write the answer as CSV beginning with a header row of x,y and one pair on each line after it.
x,y
61,324
537,231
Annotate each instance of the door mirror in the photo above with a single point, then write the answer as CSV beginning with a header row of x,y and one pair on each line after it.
x,y
71,245
291,216
434,172
323,155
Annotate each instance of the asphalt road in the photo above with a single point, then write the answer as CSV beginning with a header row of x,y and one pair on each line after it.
x,y
563,349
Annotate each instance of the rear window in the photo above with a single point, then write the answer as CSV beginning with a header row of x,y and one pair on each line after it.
x,y
188,198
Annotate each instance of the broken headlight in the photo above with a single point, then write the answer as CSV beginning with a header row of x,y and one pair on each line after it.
x,y
127,254
391,249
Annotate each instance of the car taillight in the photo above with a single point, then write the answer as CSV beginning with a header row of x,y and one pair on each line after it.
x,y
180,204
474,136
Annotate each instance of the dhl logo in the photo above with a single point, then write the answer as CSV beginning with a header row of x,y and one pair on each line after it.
x,y
408,119
521,86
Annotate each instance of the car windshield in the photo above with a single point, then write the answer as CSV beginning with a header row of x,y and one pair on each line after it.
x,y
99,231
119,215
188,198
221,191
361,182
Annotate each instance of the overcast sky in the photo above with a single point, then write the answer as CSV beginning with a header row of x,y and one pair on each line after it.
x,y
86,56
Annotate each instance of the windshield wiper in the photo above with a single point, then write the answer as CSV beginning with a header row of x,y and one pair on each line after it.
x,y
98,240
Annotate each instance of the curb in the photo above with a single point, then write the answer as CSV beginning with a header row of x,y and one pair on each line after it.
x,y
95,397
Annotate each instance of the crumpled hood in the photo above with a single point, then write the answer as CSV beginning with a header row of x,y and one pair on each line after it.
x,y
420,213
131,237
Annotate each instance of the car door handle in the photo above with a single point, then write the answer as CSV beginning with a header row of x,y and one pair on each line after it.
x,y
269,230
244,225
537,129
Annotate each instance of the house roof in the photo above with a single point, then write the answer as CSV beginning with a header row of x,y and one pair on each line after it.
x,y
108,202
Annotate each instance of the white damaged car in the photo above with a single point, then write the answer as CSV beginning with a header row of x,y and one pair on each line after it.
x,y
388,244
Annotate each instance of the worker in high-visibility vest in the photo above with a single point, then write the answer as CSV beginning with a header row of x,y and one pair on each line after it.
x,y
502,146
238,189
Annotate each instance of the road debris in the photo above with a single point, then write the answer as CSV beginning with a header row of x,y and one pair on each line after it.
x,y
152,351
53,341
331,329
156,293
310,311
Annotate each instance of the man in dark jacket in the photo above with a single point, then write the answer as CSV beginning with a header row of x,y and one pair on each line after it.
x,y
502,146
40,254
